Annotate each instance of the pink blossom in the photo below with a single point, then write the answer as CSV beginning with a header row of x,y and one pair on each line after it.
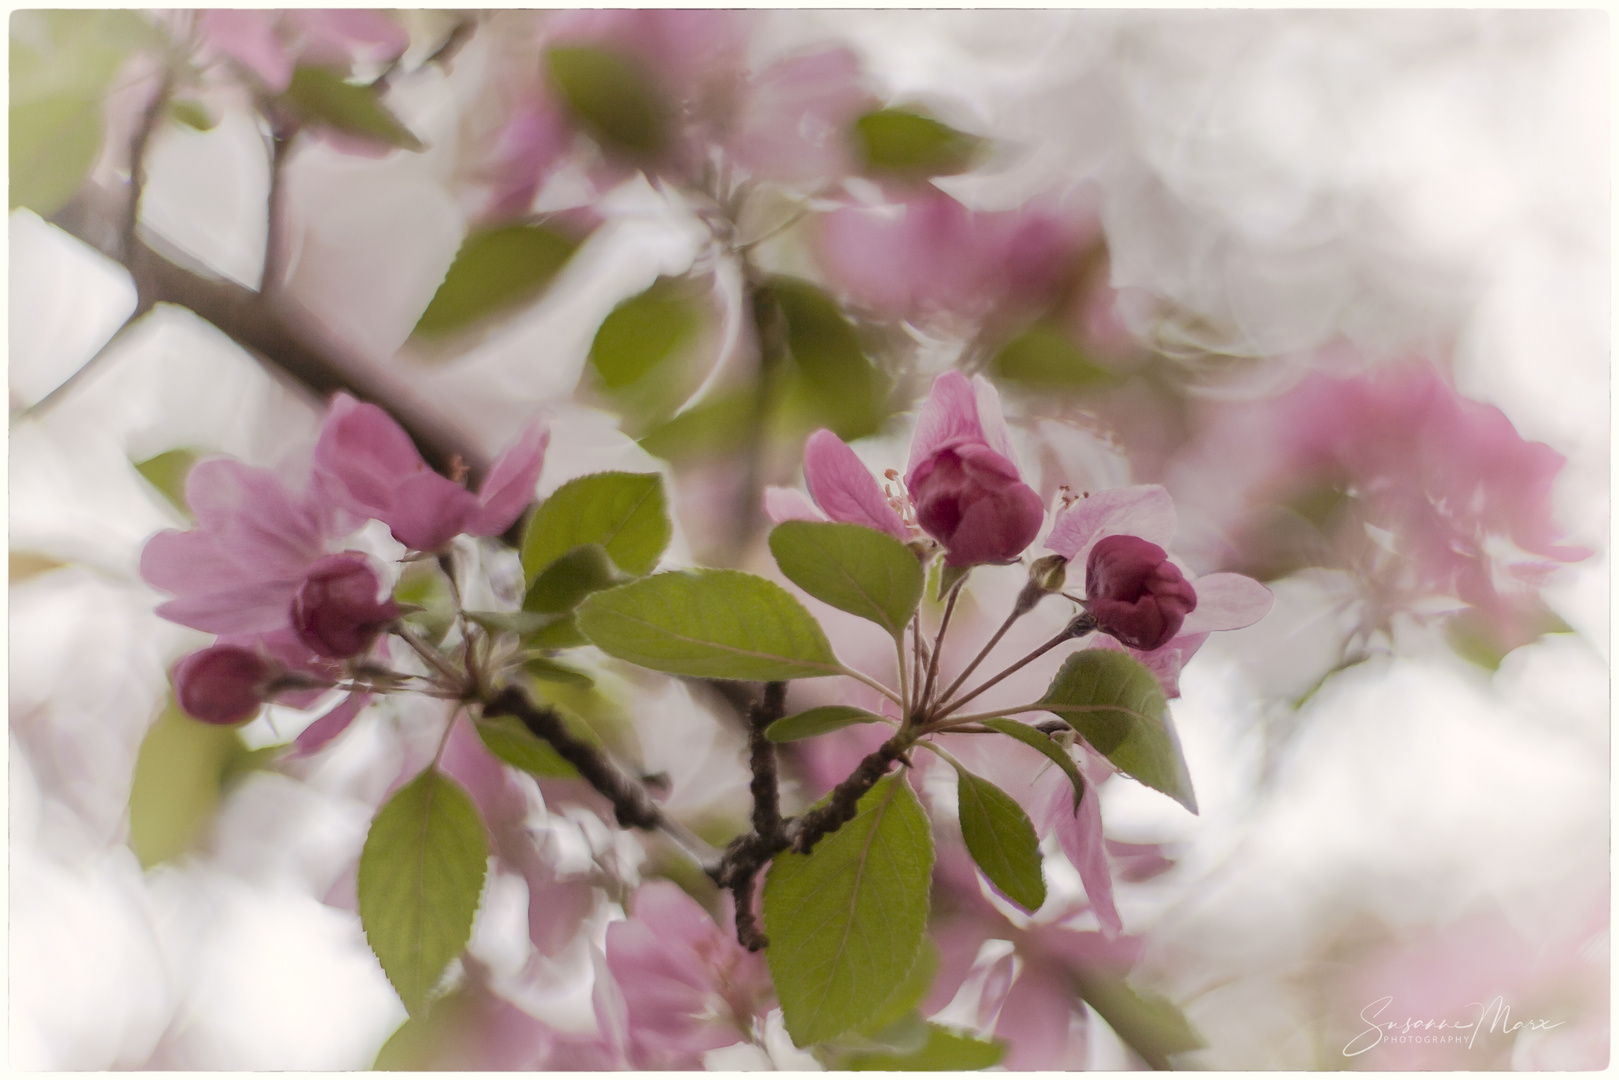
x,y
238,571
964,484
368,455
687,985
931,256
792,123
340,608
1079,834
962,478
271,43
1223,601
222,684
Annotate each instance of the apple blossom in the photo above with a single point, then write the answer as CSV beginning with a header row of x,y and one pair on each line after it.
x,y
222,684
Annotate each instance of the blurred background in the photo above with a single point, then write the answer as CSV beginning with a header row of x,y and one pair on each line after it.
x,y
1340,281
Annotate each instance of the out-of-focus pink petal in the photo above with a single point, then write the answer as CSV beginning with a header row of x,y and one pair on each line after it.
x,y
250,514
1145,511
366,449
991,420
509,487
338,35
844,488
947,418
249,38
1035,1019
789,504
330,726
686,983
794,120
1080,835
1227,602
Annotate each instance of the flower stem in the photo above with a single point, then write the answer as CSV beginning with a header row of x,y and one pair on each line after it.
x,y
1079,626
938,641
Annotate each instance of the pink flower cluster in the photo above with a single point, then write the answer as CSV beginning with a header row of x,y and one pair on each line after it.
x,y
268,569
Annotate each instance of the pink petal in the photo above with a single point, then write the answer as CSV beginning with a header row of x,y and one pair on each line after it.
x,y
509,487
330,726
1034,1021
337,35
249,513
789,504
1145,511
795,119
992,420
844,488
366,449
948,418
429,511
1227,602
249,38
1080,835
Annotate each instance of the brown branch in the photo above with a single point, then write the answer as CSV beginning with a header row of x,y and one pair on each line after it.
x,y
279,334
845,801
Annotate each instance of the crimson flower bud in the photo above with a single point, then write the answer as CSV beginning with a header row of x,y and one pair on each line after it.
x,y
222,684
1135,593
970,499
337,611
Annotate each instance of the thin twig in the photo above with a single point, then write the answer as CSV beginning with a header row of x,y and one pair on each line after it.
x,y
938,641
1079,626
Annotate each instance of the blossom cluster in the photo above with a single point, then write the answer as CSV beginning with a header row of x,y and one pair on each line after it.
x,y
271,570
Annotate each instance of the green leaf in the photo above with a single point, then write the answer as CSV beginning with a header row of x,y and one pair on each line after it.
x,y
167,472
712,428
511,622
719,624
421,873
1043,356
1046,745
547,670
563,633
509,740
845,392
422,584
906,141
494,270
807,725
1001,840
623,512
1117,705
846,921
180,775
640,333
1152,1026
569,579
945,1051
62,63
908,996
611,96
320,96
193,115
853,568
947,579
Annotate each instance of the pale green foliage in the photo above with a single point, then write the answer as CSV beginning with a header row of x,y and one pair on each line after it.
x,y
1119,707
623,512
846,921
493,271
718,624
853,568
813,722
320,96
1046,745
421,873
568,580
944,1051
1001,840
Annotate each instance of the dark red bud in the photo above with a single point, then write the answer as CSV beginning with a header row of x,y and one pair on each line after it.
x,y
222,684
970,499
1135,593
337,612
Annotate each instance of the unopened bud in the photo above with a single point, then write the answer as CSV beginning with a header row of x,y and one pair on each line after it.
x,y
222,684
1049,572
1135,593
338,612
